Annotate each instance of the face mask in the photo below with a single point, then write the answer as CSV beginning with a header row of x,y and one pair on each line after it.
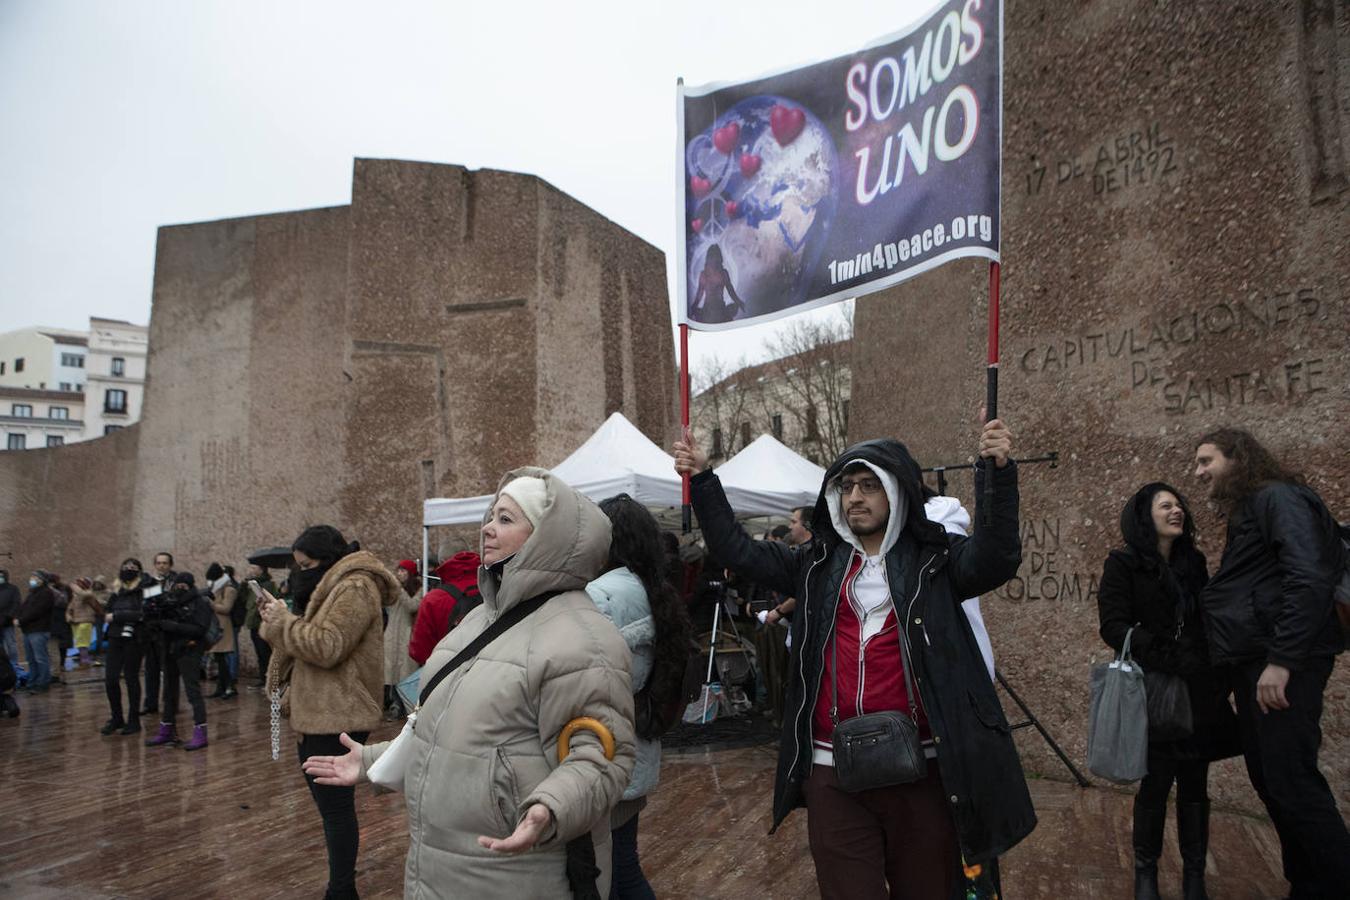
x,y
4,579
130,575
33,583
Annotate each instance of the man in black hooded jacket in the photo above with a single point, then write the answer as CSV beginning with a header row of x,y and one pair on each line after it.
x,y
876,562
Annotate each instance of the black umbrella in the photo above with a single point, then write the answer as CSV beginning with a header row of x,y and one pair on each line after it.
x,y
272,558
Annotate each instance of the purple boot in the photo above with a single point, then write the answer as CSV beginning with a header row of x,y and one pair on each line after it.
x,y
165,735
198,738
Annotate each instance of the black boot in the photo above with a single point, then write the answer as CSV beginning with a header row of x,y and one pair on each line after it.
x,y
1148,840
1193,839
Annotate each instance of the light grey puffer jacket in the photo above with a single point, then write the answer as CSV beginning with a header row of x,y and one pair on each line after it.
x,y
619,594
485,746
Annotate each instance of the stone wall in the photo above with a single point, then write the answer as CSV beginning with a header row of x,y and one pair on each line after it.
x,y
341,365
85,489
1175,233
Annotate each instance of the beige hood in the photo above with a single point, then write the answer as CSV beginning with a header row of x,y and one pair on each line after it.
x,y
568,549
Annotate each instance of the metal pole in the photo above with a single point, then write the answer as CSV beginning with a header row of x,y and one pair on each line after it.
x,y
426,530
991,390
1033,721
686,511
712,655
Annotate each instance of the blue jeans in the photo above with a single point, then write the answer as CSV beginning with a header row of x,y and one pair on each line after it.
x,y
11,644
39,664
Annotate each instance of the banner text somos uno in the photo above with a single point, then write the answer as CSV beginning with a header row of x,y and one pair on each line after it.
x,y
844,177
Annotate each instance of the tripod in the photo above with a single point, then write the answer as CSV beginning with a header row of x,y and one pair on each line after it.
x,y
1031,721
712,647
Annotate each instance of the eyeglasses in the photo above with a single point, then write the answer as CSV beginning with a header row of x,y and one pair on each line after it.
x,y
845,486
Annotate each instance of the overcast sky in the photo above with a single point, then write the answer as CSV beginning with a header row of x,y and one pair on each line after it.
x,y
119,117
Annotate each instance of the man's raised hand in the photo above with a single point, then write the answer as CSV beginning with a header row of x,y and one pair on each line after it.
x,y
689,456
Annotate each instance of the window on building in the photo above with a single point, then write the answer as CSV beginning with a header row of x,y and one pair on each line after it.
x,y
65,386
2,368
22,410
115,401
717,443
16,442
55,440
778,427
119,366
745,435
18,365
812,424
59,412
109,429
72,360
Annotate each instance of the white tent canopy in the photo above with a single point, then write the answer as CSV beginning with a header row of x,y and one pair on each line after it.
x,y
766,478
616,459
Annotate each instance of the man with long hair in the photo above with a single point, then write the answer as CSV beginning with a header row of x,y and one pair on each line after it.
x,y
1272,622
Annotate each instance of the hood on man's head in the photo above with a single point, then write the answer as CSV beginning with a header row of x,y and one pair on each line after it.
x,y
885,455
183,578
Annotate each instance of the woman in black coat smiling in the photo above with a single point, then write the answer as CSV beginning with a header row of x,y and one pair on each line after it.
x,y
1152,585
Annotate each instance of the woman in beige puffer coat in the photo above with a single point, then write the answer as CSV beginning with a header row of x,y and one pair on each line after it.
x,y
490,807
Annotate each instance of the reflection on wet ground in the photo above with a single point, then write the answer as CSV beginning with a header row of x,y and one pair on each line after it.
x,y
86,816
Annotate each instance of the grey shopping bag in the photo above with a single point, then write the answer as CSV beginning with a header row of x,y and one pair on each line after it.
x,y
1118,721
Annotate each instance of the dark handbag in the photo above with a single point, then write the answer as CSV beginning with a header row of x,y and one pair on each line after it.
x,y
878,749
1169,707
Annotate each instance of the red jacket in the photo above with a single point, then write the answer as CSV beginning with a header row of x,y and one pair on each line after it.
x,y
870,681
438,606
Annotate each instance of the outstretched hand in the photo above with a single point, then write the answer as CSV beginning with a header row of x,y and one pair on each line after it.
x,y
527,833
341,771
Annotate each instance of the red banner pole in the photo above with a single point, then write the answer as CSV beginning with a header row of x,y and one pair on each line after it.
x,y
991,388
686,513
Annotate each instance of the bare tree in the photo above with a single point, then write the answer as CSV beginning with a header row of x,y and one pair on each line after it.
x,y
800,396
726,397
811,368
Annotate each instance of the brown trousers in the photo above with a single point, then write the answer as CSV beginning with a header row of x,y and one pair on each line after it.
x,y
892,843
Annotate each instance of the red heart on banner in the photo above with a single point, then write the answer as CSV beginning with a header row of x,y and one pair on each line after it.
x,y
732,208
697,225
750,164
786,123
700,186
725,138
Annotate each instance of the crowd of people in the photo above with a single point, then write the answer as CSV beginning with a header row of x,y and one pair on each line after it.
x,y
538,676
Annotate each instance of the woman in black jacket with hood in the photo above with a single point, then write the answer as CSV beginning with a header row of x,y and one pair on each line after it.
x,y
1152,586
124,617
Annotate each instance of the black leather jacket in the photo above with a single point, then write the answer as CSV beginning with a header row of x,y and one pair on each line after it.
x,y
1272,596
980,769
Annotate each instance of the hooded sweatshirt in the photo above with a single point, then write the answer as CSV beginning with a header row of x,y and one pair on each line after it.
x,y
870,667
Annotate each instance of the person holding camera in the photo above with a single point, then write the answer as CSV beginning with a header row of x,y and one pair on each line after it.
x,y
186,620
123,616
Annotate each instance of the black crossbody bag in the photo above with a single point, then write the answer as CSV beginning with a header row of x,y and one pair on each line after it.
x,y
878,749
511,617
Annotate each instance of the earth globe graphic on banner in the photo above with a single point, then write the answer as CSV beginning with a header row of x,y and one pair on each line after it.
x,y
762,187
